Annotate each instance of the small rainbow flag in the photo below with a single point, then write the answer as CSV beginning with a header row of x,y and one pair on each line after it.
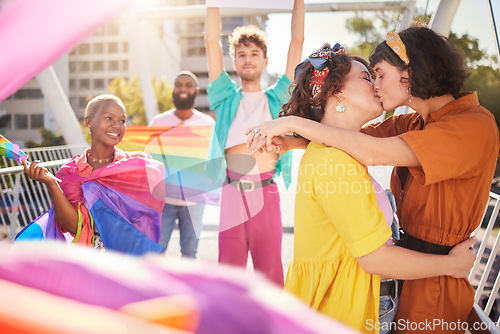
x,y
183,151
11,151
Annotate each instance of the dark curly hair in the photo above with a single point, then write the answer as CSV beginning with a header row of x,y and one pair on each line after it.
x,y
300,103
437,67
246,35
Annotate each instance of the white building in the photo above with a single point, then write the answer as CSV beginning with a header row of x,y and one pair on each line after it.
x,y
125,47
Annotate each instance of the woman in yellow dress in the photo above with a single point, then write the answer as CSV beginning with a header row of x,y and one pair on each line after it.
x,y
342,237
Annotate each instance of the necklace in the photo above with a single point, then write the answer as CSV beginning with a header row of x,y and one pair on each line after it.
x,y
100,160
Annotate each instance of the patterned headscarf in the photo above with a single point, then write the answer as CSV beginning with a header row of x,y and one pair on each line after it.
x,y
318,60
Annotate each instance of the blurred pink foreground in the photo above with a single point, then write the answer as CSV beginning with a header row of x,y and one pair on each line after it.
x,y
52,288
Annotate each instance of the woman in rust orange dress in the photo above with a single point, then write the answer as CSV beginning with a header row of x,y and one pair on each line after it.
x,y
445,156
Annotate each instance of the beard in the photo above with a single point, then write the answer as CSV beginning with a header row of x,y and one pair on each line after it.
x,y
249,77
184,103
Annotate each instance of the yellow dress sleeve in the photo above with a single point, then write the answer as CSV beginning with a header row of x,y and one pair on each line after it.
x,y
343,189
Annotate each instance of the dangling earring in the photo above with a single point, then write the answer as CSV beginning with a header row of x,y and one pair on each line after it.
x,y
409,93
340,107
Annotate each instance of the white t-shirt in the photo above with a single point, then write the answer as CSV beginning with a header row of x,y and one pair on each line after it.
x,y
169,118
252,110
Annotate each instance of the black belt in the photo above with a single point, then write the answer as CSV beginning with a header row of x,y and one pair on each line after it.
x,y
422,246
247,186
391,287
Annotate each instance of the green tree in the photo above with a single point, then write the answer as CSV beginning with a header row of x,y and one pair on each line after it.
x,y
470,47
85,131
130,93
163,92
49,138
365,29
372,29
485,80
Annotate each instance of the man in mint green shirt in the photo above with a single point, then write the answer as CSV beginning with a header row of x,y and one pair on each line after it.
x,y
250,217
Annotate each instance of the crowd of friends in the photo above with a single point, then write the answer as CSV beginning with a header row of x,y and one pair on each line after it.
x,y
350,254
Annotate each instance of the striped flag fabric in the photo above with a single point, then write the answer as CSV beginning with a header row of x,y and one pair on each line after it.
x,y
152,294
124,201
183,151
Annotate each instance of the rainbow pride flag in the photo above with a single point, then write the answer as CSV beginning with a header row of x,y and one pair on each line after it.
x,y
123,202
11,151
183,151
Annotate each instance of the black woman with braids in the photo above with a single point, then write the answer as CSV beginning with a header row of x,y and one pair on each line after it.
x,y
342,237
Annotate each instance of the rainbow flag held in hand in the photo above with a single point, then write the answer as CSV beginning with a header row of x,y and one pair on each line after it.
x,y
11,151
122,202
183,151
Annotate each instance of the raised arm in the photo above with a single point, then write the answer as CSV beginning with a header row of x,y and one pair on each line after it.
x,y
297,40
368,150
66,214
212,43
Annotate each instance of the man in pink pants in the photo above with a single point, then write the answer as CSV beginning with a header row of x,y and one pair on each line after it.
x,y
250,206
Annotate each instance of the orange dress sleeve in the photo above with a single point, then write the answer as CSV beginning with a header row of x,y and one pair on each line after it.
x,y
456,147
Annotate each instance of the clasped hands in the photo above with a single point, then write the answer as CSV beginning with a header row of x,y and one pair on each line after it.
x,y
270,137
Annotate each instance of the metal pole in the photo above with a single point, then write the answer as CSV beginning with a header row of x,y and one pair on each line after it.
x,y
145,77
440,22
443,16
495,33
58,102
199,10
407,15
406,21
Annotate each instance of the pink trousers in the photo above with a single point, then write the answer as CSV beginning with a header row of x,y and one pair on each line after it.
x,y
251,221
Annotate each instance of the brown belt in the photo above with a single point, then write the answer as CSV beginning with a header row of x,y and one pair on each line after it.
x,y
247,186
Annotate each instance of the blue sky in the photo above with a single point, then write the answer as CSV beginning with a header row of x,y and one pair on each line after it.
x,y
472,17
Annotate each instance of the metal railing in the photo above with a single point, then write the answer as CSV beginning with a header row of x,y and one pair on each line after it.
x,y
479,323
484,276
22,200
